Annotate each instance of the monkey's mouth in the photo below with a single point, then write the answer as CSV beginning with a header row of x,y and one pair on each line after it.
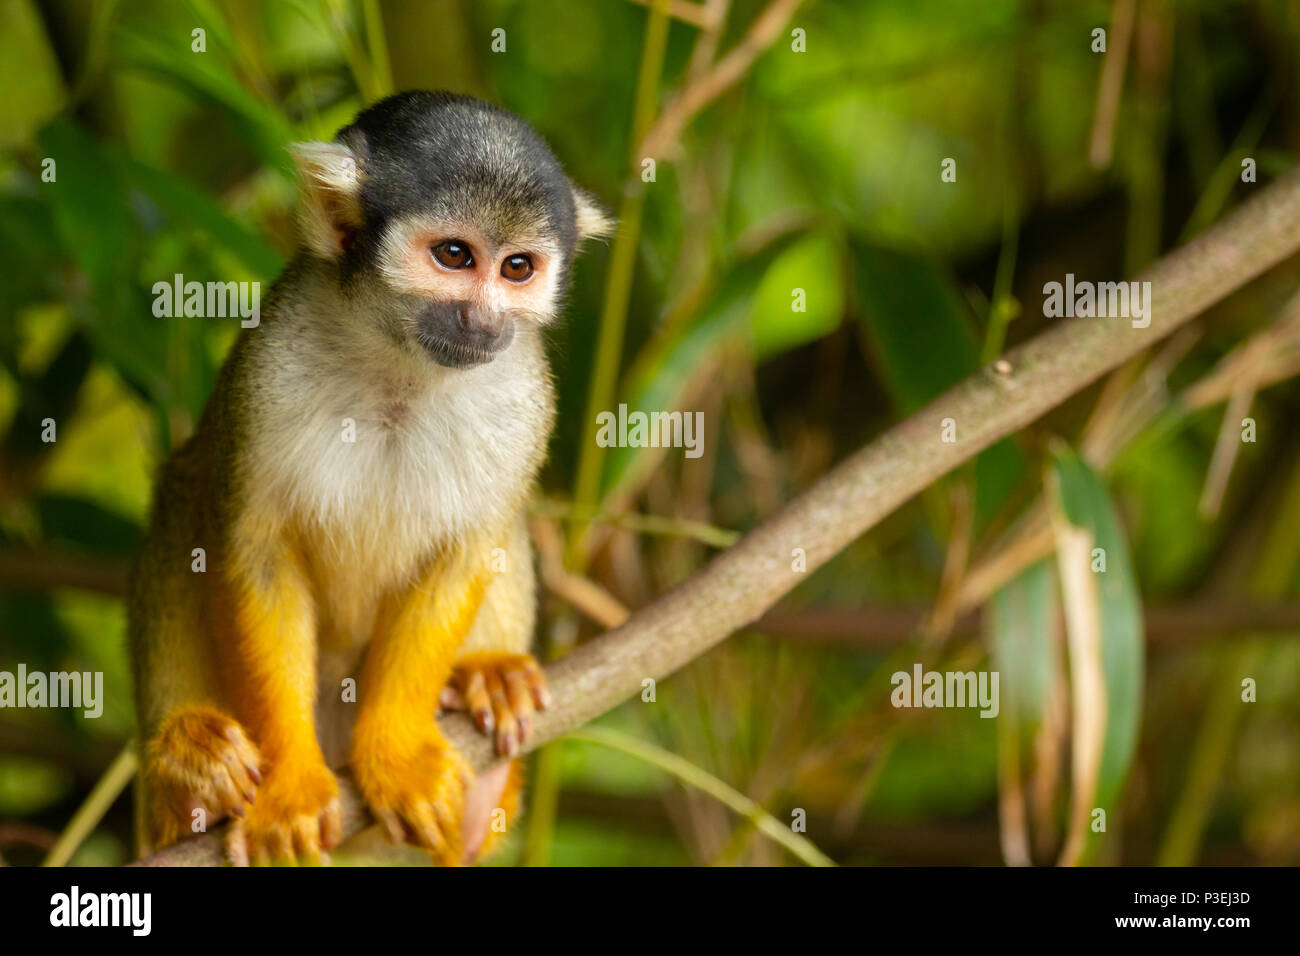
x,y
455,354
458,336
452,354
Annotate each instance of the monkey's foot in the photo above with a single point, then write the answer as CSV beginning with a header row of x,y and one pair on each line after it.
x,y
296,818
416,789
501,692
199,768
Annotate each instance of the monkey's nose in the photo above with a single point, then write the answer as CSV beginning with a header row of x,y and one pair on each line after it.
x,y
462,316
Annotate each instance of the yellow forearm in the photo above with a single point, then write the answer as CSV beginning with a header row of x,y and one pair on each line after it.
x,y
411,656
271,659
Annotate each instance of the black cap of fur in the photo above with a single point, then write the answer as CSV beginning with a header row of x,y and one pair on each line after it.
x,y
452,155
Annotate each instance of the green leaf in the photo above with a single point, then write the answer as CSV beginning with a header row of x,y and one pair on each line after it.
x,y
34,634
29,785
1083,501
52,395
262,126
126,333
86,525
1022,623
921,343
669,364
998,469
30,72
166,362
917,328
33,255
95,222
1024,635
812,265
191,206
90,204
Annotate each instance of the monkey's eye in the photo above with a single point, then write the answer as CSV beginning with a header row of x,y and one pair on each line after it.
x,y
517,268
453,254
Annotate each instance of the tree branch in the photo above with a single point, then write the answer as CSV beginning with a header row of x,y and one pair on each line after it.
x,y
726,73
1167,627
45,569
744,581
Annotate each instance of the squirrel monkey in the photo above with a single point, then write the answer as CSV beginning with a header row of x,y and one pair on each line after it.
x,y
357,486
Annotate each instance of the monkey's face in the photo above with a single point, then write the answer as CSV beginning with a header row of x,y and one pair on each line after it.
x,y
469,288
454,213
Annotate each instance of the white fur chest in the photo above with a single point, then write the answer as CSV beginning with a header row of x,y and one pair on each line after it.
x,y
381,464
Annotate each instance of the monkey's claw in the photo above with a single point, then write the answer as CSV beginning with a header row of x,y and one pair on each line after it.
x,y
296,819
501,692
200,760
416,790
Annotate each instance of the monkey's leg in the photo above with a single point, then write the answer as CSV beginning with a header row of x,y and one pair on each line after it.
x,y
500,684
197,764
413,780
200,760
495,680
269,655
501,691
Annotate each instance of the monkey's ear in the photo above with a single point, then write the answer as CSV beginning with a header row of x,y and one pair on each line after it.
x,y
593,222
330,209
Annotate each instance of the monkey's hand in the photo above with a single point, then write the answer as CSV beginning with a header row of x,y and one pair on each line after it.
x,y
501,692
200,760
414,782
296,817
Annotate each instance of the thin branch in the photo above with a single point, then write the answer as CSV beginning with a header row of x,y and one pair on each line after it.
x,y
1111,84
101,799
706,44
1131,402
46,569
581,592
688,773
703,532
726,73
744,581
618,283
879,628
696,14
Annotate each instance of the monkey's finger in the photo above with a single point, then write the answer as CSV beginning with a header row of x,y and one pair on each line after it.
x,y
243,748
449,798
450,856
478,702
450,850
307,841
237,844
391,824
521,702
234,733
423,824
446,846
450,699
507,727
278,841
222,794
536,678
240,778
168,824
258,852
331,825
